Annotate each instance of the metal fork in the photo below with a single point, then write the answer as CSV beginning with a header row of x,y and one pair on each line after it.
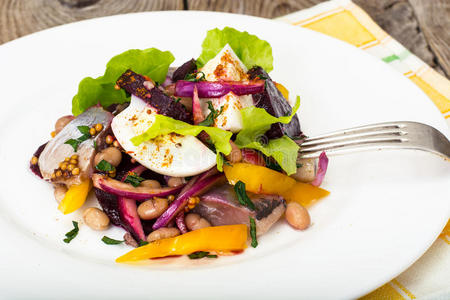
x,y
389,135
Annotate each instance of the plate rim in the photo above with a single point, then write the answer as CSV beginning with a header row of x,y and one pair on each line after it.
x,y
99,19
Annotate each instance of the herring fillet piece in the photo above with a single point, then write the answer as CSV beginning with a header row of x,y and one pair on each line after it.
x,y
170,154
220,206
56,150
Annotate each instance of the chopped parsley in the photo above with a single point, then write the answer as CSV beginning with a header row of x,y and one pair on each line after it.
x,y
209,120
73,233
105,166
253,232
76,142
133,179
243,199
262,77
201,254
84,129
142,243
271,164
110,241
94,145
193,77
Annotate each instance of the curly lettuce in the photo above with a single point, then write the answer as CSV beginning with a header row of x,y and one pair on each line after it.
x,y
251,50
164,125
151,62
256,121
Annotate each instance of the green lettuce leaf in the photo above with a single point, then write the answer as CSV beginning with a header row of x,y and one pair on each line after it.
x,y
256,121
165,125
249,48
151,62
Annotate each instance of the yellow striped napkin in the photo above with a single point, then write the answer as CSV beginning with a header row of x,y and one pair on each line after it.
x,y
429,277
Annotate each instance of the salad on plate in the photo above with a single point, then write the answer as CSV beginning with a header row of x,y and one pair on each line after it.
x,y
195,160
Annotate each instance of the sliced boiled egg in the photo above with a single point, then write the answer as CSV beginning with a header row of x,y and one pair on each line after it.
x,y
228,67
171,154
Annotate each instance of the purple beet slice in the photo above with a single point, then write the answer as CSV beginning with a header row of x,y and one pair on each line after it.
x,y
113,209
122,189
195,187
187,68
275,104
133,83
120,210
35,167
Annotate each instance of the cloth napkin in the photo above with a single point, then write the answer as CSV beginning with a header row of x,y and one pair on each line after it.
x,y
429,277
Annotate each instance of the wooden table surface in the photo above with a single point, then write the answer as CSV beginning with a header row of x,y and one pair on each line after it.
x,y
422,26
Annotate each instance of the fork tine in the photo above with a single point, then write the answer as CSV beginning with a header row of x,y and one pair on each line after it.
x,y
382,139
351,148
352,136
405,135
358,130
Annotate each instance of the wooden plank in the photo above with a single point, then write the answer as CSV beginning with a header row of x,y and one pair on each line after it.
x,y
399,20
260,8
21,17
396,17
434,20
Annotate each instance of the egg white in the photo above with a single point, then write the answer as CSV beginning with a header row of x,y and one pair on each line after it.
x,y
232,70
170,154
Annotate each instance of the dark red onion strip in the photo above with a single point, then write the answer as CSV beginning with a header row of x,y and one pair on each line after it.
x,y
322,169
196,107
194,187
217,89
128,207
139,193
179,219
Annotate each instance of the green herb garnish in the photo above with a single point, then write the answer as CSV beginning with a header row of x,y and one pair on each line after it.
x,y
243,199
110,241
273,165
133,179
83,129
253,232
164,125
256,121
76,142
193,77
209,120
72,234
262,77
105,166
94,144
177,100
143,243
251,50
91,91
201,254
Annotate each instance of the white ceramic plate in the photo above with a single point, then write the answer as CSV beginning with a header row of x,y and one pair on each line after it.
x,y
384,211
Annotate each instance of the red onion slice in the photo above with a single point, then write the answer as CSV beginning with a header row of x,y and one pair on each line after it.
x,y
194,187
196,107
322,169
179,220
128,208
217,89
122,189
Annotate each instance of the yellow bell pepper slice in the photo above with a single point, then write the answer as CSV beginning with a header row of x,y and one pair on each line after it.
x,y
75,197
305,194
262,180
284,91
219,238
